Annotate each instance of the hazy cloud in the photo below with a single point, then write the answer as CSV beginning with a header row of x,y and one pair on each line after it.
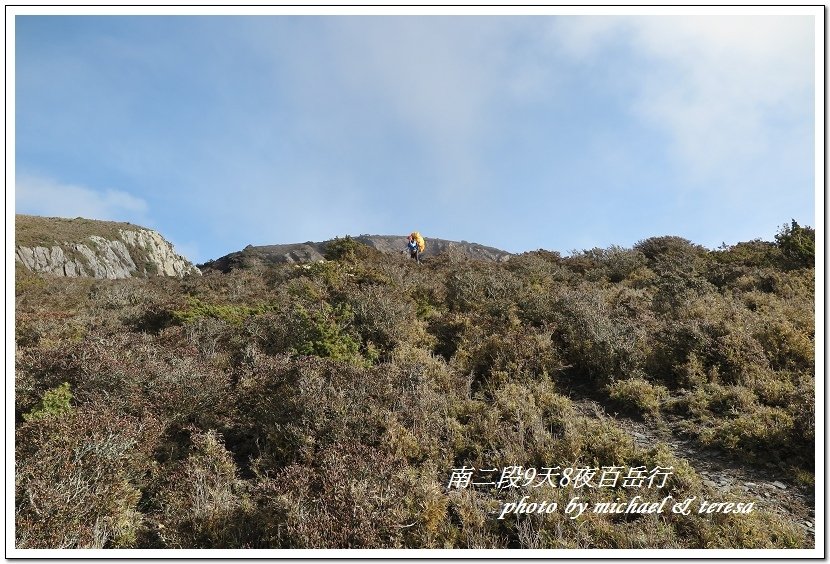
x,y
718,86
731,80
434,88
44,196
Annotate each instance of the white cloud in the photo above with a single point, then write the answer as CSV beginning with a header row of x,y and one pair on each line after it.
x,y
720,86
729,81
43,196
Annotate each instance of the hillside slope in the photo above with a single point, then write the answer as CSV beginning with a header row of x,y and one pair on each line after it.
x,y
368,401
97,249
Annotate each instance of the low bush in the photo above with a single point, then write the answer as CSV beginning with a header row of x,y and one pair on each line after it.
x,y
202,502
79,478
55,403
637,395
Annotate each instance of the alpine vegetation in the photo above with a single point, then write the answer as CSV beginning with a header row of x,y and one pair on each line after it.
x,y
659,396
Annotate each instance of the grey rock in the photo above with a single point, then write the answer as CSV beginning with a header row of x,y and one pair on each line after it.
x,y
780,485
99,257
160,252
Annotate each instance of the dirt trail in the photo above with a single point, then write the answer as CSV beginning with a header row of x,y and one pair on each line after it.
x,y
771,488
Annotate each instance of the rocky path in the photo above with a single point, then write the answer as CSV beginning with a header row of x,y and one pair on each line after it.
x,y
771,487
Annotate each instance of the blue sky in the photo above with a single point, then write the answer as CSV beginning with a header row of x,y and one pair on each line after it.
x,y
519,132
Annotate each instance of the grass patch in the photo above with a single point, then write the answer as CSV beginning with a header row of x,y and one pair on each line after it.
x,y
34,231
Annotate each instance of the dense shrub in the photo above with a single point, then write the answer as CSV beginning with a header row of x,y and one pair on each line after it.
x,y
516,354
637,395
798,244
669,247
325,405
385,318
201,502
347,498
345,248
491,292
79,478
597,338
614,264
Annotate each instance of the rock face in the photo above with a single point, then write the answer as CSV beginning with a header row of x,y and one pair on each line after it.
x,y
132,253
252,256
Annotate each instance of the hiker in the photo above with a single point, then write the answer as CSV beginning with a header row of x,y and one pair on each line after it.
x,y
415,246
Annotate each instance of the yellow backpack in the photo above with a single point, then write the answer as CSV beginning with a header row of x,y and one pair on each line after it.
x,y
420,240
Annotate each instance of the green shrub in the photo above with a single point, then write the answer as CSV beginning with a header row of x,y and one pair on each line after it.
x,y
344,249
517,354
731,400
798,244
55,402
762,430
323,332
614,264
197,309
492,291
385,318
670,246
787,347
739,356
637,395
741,260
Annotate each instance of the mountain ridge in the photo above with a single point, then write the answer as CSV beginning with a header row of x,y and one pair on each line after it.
x,y
311,251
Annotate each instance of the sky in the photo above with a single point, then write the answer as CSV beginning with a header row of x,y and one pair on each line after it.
x,y
519,132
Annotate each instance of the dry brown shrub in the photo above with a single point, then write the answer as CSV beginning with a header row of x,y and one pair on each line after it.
x,y
79,478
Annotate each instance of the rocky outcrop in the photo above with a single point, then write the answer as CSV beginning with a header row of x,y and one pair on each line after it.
x,y
253,256
135,253
157,251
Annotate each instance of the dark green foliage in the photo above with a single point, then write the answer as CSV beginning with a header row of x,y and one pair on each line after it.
x,y
324,405
345,249
669,247
322,332
196,309
798,244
